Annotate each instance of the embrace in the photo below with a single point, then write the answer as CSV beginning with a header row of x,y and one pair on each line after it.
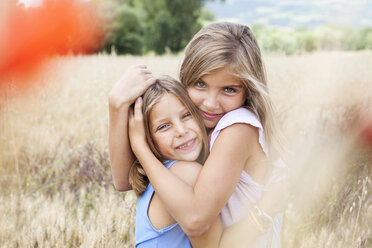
x,y
203,154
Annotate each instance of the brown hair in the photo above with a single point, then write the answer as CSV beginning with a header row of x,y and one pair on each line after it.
x,y
163,85
225,44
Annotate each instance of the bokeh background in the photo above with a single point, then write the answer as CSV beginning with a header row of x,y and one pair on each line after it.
x,y
59,59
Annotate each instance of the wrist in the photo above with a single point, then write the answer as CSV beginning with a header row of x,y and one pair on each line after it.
x,y
118,102
142,151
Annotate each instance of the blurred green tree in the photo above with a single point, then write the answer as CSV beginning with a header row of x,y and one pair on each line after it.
x,y
363,39
139,26
170,24
126,32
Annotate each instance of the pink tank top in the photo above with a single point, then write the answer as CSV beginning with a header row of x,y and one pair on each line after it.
x,y
247,191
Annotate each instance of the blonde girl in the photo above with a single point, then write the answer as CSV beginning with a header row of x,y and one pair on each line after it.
x,y
176,135
225,77
223,72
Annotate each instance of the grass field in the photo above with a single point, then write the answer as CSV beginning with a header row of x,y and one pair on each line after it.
x,y
56,188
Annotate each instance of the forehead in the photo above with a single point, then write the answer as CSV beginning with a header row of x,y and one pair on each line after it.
x,y
221,77
167,105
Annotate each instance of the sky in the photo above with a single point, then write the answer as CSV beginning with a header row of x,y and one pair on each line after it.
x,y
292,13
286,13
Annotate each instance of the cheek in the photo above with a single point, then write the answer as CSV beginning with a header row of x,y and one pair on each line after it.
x,y
232,103
238,100
196,96
197,129
242,100
161,141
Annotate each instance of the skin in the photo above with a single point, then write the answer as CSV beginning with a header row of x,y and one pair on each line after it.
x,y
216,94
132,84
173,129
178,137
200,214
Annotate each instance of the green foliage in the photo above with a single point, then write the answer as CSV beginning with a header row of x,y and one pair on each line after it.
x,y
140,26
206,16
127,31
363,39
306,40
171,24
328,37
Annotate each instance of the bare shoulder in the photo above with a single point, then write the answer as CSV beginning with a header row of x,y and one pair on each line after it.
x,y
186,171
238,135
241,129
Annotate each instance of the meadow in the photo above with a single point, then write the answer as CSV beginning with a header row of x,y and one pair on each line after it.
x,y
55,181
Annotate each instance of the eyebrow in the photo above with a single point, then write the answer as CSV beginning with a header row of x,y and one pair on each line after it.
x,y
233,86
226,86
157,122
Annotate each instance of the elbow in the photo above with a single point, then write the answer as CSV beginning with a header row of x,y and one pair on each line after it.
x,y
121,187
195,226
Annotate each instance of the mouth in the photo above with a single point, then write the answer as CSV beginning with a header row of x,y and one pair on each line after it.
x,y
187,145
210,116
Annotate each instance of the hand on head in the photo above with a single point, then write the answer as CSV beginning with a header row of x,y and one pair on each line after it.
x,y
136,130
131,85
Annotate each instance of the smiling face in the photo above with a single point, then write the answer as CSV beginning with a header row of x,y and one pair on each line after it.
x,y
216,94
175,132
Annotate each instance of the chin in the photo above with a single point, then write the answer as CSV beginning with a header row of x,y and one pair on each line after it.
x,y
210,125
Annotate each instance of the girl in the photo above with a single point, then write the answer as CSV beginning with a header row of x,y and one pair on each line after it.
x,y
174,131
225,77
223,71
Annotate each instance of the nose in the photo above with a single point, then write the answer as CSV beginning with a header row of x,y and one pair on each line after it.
x,y
180,129
210,101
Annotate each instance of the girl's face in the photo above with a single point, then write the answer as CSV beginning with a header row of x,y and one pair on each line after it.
x,y
216,94
174,130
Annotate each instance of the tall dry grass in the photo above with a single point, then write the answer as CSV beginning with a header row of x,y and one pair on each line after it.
x,y
56,187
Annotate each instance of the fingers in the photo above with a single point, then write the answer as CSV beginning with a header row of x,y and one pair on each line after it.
x,y
149,82
136,130
131,117
133,83
143,69
145,73
138,117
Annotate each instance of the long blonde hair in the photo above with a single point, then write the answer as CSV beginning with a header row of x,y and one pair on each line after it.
x,y
225,44
163,85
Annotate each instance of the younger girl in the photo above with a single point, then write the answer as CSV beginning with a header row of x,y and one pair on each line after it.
x,y
176,136
224,73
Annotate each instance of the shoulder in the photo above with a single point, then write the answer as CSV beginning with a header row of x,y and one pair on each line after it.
x,y
240,115
186,171
239,125
237,135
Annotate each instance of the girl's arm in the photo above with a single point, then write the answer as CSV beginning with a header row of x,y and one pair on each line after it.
x,y
131,85
188,172
196,208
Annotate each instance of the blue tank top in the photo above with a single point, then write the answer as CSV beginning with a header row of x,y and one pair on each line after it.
x,y
147,236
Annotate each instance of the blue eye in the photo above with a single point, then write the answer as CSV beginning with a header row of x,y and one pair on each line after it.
x,y
186,115
162,127
200,84
229,90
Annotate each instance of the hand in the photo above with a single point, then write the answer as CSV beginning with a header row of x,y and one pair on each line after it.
x,y
131,85
137,136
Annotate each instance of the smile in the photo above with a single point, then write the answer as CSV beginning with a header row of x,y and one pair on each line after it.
x,y
210,116
187,146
